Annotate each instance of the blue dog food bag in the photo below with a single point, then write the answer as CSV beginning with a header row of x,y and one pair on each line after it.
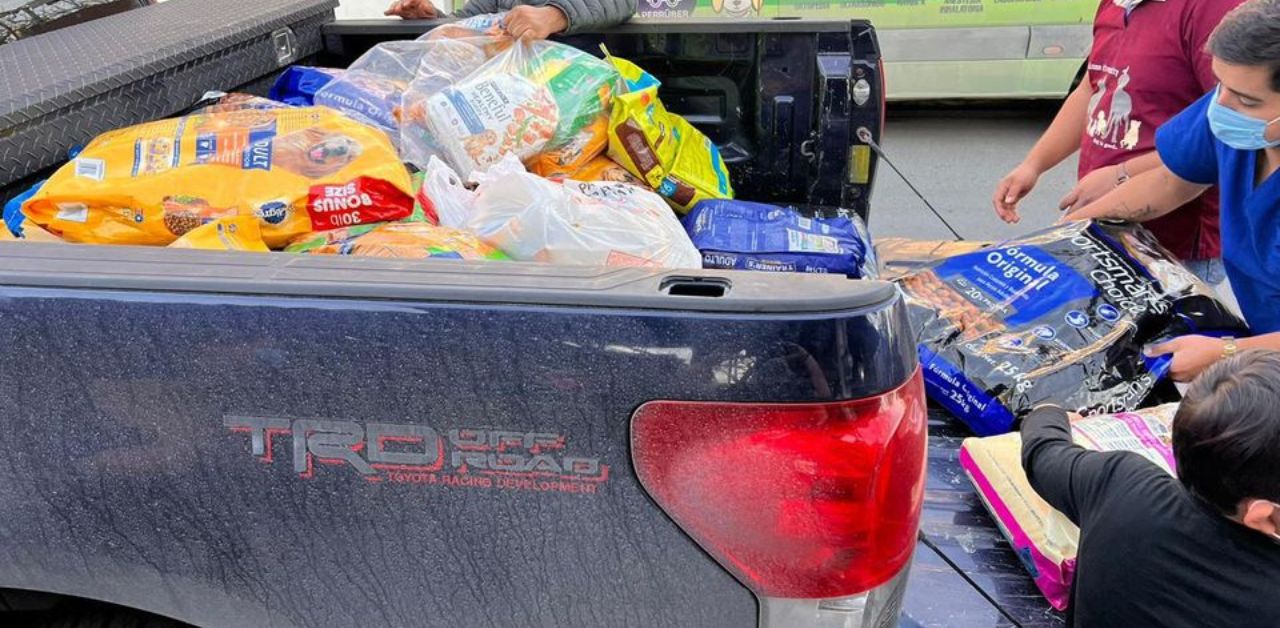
x,y
741,235
1058,316
298,84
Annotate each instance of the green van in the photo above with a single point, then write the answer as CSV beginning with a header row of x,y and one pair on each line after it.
x,y
941,49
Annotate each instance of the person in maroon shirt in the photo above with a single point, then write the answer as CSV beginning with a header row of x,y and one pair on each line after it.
x,y
1148,63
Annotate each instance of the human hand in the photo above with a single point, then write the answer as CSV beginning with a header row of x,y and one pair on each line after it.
x,y
1191,355
1090,188
1013,188
535,23
413,9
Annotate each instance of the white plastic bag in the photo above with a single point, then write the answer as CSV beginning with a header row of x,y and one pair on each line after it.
x,y
452,200
534,219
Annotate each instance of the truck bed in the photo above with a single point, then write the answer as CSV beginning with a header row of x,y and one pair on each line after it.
x,y
965,573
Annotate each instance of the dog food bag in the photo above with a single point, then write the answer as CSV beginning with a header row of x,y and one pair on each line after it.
x,y
754,236
408,240
602,169
17,227
901,256
574,156
599,169
1059,316
1044,539
662,148
296,169
532,97
236,233
298,84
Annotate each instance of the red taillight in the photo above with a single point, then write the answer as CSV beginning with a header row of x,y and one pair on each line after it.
x,y
796,500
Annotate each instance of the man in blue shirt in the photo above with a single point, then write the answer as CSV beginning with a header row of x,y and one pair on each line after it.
x,y
1230,137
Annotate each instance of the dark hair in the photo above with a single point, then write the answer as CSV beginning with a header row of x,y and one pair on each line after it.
x,y
1250,35
1226,434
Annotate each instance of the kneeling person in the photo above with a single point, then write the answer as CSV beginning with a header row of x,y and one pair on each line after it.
x,y
1202,549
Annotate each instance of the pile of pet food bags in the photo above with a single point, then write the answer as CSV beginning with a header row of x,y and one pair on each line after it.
x,y
463,144
1061,316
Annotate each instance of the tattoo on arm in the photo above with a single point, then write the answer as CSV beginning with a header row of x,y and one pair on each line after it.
x,y
1134,214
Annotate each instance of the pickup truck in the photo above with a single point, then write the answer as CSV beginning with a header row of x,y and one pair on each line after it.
x,y
228,439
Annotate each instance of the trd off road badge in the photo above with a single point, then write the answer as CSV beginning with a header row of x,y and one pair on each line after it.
x,y
418,454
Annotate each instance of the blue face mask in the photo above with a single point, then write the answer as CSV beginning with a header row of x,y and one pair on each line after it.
x,y
1237,130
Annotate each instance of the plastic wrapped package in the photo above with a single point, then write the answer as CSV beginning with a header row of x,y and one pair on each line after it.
x,y
1059,316
298,84
371,90
296,169
662,148
407,240
574,222
236,233
755,236
485,31
532,97
1045,539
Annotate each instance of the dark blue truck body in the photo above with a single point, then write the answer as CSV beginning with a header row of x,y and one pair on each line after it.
x,y
241,440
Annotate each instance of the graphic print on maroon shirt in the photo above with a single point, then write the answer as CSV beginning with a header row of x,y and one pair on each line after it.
x,y
1146,67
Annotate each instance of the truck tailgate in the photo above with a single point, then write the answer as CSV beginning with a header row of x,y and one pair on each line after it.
x,y
234,439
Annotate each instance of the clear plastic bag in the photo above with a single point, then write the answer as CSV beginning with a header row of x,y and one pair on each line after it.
x,y
371,90
527,98
583,223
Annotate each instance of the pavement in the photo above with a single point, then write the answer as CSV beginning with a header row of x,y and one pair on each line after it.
x,y
955,156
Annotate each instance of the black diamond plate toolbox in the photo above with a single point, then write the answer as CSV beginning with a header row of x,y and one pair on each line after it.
x,y
61,89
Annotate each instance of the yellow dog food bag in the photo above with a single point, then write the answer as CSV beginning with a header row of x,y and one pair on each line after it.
x,y
585,147
237,233
296,170
662,148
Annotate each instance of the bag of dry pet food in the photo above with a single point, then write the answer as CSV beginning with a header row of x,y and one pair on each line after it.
x,y
298,84
603,169
235,233
769,238
581,150
1044,539
534,96
1061,315
296,170
662,148
407,240
902,256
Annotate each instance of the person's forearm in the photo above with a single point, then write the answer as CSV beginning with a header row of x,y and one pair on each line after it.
x,y
1265,341
1145,162
1149,195
1062,138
